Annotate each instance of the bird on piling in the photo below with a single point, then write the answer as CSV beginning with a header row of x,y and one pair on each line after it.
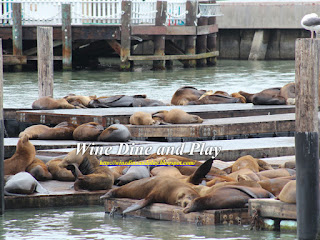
x,y
311,22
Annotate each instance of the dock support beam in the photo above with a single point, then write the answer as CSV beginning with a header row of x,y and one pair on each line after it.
x,y
45,61
191,20
1,134
160,40
66,37
212,41
259,45
307,57
125,35
202,42
17,32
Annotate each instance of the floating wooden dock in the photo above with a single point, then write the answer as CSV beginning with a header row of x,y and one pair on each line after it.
x,y
108,116
167,212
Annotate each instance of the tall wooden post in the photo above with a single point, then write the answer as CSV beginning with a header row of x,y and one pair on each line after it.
x,y
125,35
191,20
307,57
16,32
202,42
160,40
212,40
45,61
1,134
66,37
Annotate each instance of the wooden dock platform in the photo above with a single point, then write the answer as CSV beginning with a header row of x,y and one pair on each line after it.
x,y
167,212
108,116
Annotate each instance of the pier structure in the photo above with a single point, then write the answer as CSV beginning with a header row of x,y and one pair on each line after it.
x,y
183,30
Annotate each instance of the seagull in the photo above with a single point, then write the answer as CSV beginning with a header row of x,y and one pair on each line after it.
x,y
311,22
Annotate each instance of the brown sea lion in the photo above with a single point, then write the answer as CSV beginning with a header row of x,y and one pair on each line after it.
x,y
154,190
178,116
238,95
78,100
246,173
115,133
51,103
230,196
215,99
59,173
87,171
274,185
141,118
186,94
288,91
247,162
275,173
288,193
22,158
88,131
39,170
62,131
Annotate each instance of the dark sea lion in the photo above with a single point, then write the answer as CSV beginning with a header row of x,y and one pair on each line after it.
x,y
215,99
141,118
133,173
88,131
177,116
39,170
51,103
59,173
115,133
270,96
22,158
227,197
186,94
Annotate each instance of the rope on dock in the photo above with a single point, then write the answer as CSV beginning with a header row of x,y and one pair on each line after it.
x,y
257,222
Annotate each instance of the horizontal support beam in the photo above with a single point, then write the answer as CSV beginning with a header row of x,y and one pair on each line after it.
x,y
14,59
35,58
174,57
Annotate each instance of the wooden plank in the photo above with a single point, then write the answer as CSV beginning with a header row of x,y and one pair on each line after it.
x,y
14,59
160,211
125,35
115,46
201,43
212,40
66,37
208,29
190,43
271,208
1,135
16,29
163,30
181,30
174,57
35,58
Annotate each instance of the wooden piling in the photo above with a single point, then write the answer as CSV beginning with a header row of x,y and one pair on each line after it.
x,y
307,57
16,32
1,134
160,40
66,37
45,61
212,40
125,35
202,42
191,20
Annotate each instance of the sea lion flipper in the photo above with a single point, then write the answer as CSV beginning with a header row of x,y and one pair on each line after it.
x,y
138,205
201,172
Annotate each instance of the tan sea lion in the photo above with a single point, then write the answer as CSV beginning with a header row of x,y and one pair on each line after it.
x,y
288,91
22,158
275,173
274,185
39,170
78,100
238,95
178,116
141,118
247,162
288,193
51,103
115,133
59,173
88,131
246,173
186,94
87,171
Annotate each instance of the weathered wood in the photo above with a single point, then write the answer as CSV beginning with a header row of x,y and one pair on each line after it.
x,y
160,40
208,29
1,134
45,61
212,40
14,59
66,37
271,208
115,46
174,57
191,20
168,212
202,43
172,48
307,58
17,32
31,51
35,58
125,35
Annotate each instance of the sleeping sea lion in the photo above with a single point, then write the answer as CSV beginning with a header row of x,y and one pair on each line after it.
x,y
39,170
288,193
141,118
88,131
186,94
177,116
51,103
59,173
133,173
215,99
115,133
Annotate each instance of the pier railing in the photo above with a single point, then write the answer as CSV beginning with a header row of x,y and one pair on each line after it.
x,y
47,12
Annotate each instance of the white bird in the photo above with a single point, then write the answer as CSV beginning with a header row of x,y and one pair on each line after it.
x,y
311,22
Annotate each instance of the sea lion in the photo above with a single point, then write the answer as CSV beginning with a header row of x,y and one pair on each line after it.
x,y
39,170
238,95
275,173
133,173
215,99
51,103
78,100
274,185
62,131
88,131
115,133
186,94
288,193
178,116
59,173
22,158
246,173
154,190
141,118
288,91
230,196
87,171
23,183
247,162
